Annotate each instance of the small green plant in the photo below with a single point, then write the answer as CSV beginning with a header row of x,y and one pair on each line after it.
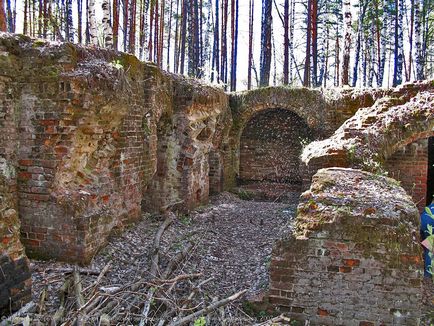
x,y
117,64
201,321
185,219
244,194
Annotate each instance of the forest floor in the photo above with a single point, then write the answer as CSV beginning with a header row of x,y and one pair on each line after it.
x,y
232,242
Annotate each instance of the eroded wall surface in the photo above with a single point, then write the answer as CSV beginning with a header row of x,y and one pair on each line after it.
x,y
353,258
93,132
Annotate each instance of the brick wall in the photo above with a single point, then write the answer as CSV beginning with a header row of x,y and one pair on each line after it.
x,y
409,165
353,259
271,145
91,138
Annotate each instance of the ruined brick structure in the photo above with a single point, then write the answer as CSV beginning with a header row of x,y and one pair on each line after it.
x,y
91,138
353,259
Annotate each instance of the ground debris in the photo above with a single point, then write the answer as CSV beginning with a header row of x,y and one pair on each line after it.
x,y
206,257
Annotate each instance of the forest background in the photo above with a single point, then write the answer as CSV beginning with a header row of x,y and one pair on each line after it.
x,y
244,44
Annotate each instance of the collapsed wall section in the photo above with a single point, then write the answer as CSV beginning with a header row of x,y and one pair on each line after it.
x,y
353,259
90,138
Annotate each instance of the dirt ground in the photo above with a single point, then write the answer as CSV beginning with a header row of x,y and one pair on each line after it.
x,y
232,241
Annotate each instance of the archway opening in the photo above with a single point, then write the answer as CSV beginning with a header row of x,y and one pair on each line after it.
x,y
270,148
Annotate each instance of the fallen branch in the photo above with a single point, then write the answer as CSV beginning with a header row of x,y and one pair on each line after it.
x,y
213,306
156,249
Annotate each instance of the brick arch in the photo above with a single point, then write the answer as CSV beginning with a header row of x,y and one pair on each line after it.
x,y
270,147
373,135
308,104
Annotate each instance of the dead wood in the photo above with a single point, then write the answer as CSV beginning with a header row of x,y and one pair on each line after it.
x,y
213,306
63,293
156,248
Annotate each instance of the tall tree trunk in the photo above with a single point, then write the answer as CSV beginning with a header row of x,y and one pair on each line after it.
x,y
398,48
115,24
93,39
250,58
347,42
291,42
234,12
418,40
132,29
2,16
384,41
126,24
363,7
224,52
107,29
306,80
215,71
265,64
314,33
69,33
169,35
337,57
183,34
410,41
177,38
286,43
326,63
161,35
25,21
79,18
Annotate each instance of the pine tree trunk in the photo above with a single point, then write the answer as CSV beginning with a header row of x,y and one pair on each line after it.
x,y
79,18
216,46
265,64
2,16
410,41
306,79
234,11
169,35
132,29
398,48
69,33
286,43
418,40
314,43
224,53
359,40
250,55
347,42
126,26
115,24
337,57
183,34
24,18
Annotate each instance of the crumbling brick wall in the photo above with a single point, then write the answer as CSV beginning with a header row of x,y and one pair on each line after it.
x,y
409,165
353,259
88,143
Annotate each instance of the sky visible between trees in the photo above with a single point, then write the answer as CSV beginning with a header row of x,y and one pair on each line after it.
x,y
244,44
